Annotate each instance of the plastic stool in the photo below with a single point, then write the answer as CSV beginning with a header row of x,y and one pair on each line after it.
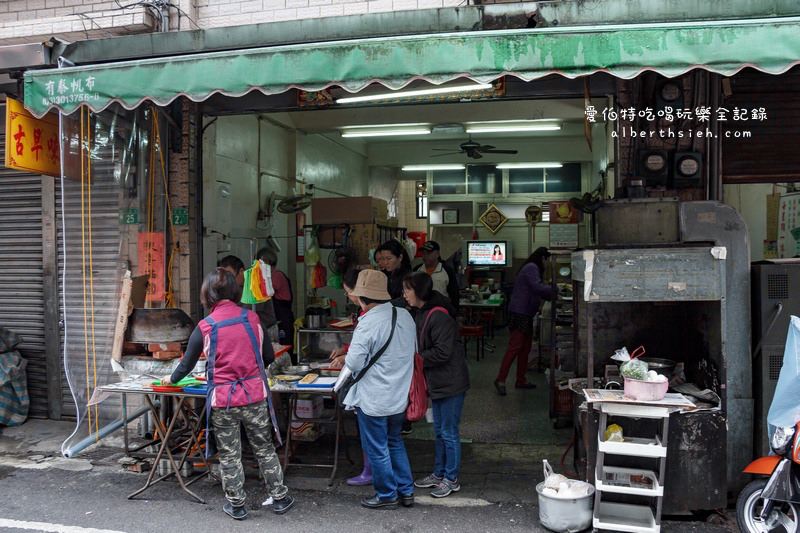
x,y
473,332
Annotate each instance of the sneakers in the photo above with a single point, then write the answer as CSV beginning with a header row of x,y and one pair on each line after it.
x,y
525,386
237,512
282,505
407,429
429,481
501,388
407,500
445,488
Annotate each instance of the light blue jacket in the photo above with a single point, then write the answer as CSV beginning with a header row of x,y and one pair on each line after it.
x,y
383,391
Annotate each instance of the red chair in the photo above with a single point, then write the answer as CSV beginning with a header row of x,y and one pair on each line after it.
x,y
473,332
487,317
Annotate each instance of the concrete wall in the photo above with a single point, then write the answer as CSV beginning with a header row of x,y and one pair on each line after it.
x,y
30,21
216,13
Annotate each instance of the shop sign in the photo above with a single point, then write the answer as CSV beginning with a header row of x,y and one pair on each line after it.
x,y
180,217
129,216
151,264
493,218
563,212
31,143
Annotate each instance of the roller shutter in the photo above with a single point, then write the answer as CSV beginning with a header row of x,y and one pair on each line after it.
x,y
21,279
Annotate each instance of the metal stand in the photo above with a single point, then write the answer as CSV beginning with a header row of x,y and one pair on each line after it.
x,y
165,435
335,420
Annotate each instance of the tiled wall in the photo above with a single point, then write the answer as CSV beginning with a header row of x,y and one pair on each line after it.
x,y
407,207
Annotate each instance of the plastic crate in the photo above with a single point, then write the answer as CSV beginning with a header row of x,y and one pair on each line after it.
x,y
562,402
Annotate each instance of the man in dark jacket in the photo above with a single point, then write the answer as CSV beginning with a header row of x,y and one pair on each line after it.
x,y
444,279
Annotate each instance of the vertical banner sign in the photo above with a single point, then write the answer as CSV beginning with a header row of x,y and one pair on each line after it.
x,y
31,143
300,221
151,263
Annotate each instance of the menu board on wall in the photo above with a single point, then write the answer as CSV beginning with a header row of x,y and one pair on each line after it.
x,y
563,236
789,226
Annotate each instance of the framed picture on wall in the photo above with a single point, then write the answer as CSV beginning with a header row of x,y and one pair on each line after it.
x,y
449,216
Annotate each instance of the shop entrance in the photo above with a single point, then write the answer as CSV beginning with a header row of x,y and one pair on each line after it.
x,y
432,166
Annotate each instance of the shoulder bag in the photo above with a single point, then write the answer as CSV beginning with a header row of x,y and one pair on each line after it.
x,y
349,381
418,393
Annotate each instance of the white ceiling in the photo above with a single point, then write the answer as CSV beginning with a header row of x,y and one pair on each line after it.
x,y
567,144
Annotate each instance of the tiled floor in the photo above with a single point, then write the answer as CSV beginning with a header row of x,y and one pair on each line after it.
x,y
520,417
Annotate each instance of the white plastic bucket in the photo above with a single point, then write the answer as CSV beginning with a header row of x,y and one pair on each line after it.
x,y
565,514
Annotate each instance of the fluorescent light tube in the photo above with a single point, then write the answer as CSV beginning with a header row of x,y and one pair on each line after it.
x,y
508,126
412,168
530,165
385,132
413,93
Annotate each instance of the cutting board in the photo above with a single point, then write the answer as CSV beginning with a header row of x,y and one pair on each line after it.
x,y
319,383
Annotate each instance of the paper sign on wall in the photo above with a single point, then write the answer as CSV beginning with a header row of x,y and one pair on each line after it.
x,y
151,263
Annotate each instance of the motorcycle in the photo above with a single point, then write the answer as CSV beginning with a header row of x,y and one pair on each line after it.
x,y
773,503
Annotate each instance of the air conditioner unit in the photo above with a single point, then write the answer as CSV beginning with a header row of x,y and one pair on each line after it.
x,y
772,284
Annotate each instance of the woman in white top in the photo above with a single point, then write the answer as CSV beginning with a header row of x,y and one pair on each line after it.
x,y
380,397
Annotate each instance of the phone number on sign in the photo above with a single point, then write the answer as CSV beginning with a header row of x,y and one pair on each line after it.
x,y
70,98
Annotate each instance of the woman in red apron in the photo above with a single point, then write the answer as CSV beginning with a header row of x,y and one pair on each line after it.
x,y
237,350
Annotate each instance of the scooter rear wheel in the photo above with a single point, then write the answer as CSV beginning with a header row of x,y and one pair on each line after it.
x,y
785,517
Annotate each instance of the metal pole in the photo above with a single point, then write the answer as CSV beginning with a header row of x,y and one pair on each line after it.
x,y
102,432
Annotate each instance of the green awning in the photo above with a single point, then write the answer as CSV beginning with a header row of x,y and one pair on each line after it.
x,y
724,47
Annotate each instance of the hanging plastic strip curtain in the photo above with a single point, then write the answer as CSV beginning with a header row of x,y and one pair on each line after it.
x,y
111,195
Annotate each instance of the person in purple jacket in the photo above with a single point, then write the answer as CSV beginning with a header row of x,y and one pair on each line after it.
x,y
528,291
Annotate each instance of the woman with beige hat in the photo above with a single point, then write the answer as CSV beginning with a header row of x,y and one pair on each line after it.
x,y
385,337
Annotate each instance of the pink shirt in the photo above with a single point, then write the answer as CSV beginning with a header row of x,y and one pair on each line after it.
x,y
281,285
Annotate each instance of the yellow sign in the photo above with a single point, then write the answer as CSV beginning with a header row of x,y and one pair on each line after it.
x,y
31,143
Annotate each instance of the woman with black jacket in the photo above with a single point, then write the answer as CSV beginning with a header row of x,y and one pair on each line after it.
x,y
396,264
446,374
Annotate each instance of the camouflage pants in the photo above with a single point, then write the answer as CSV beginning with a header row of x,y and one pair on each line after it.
x,y
257,424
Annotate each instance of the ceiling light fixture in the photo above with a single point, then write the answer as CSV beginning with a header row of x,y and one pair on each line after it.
x,y
386,130
413,168
507,126
530,165
414,93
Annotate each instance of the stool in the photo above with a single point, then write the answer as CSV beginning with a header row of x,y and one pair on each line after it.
x,y
473,332
488,318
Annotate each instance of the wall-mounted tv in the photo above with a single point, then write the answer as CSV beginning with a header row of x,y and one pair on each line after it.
x,y
488,253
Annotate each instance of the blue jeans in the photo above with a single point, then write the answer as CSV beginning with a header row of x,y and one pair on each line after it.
x,y
381,440
446,417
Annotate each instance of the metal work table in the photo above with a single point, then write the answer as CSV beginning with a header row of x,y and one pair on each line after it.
x,y
335,420
486,305
188,433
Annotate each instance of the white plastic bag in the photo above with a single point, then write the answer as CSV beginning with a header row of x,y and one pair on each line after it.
x,y
551,480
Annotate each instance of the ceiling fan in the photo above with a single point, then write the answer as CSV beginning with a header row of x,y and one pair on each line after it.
x,y
473,150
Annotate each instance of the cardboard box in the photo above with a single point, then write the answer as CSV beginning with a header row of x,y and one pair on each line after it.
x,y
309,406
307,431
363,238
349,210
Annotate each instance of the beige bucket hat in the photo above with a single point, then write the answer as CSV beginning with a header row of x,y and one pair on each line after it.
x,y
371,284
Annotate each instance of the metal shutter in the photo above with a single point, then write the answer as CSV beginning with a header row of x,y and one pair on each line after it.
x,y
21,281
106,272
